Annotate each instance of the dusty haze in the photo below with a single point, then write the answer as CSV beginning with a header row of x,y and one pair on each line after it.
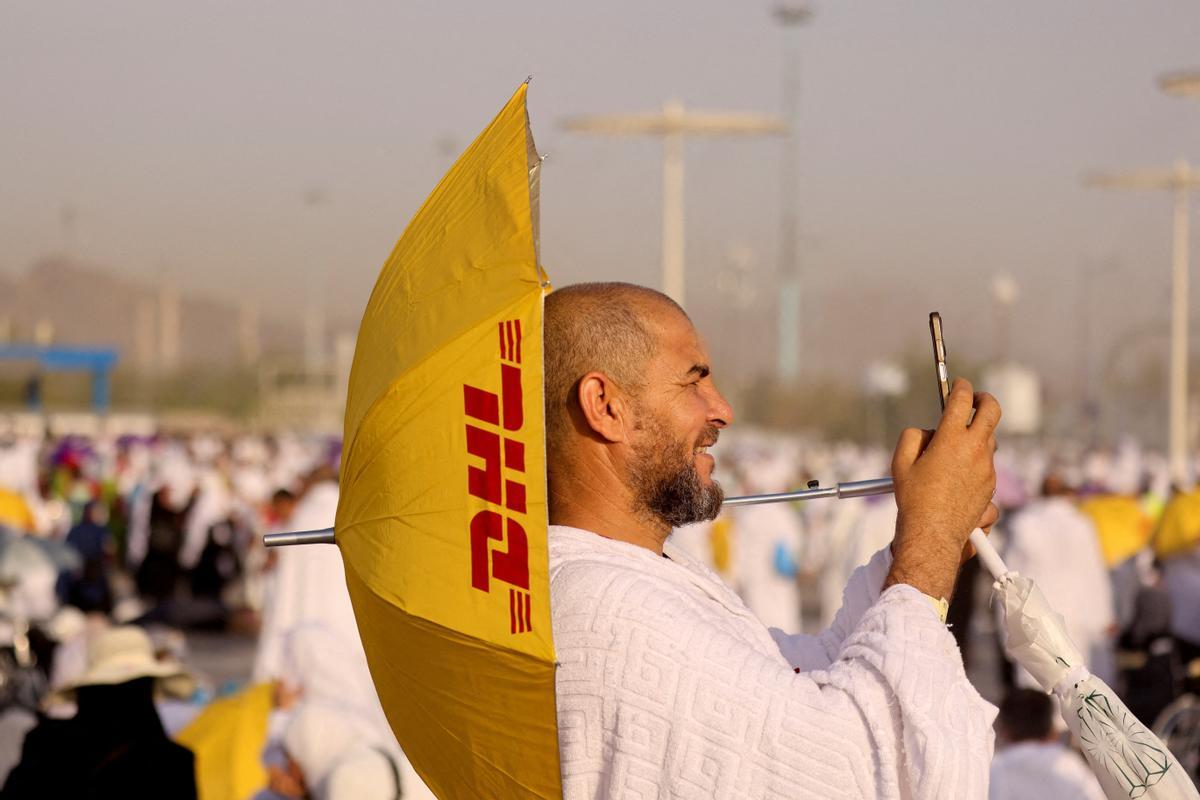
x,y
254,150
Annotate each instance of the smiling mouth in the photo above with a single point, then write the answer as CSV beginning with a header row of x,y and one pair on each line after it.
x,y
702,449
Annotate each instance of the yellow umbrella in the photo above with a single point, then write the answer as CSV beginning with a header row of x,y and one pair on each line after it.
x,y
227,739
442,518
1121,525
1179,529
14,511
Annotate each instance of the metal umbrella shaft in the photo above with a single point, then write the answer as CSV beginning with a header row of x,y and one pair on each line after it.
x,y
839,490
986,552
322,536
842,491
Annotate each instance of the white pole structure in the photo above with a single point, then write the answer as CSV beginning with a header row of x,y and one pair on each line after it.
x,y
672,124
790,17
1180,180
673,238
314,316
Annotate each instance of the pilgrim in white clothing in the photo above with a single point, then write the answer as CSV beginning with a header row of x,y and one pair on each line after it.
x,y
1055,544
668,686
767,540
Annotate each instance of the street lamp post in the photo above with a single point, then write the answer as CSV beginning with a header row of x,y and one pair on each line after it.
x,y
314,312
790,17
1180,180
671,125
1089,273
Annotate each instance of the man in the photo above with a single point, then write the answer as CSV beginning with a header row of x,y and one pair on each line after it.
x,y
1122,525
667,686
1055,544
88,588
1033,762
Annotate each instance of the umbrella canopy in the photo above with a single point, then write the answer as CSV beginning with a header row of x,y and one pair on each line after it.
x,y
14,511
1121,525
1128,759
442,516
1178,531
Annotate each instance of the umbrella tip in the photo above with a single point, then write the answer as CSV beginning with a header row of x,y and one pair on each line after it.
x,y
528,79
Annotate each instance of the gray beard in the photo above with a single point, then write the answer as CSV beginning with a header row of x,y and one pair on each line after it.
x,y
666,485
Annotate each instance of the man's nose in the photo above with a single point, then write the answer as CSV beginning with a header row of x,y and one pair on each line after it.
x,y
720,413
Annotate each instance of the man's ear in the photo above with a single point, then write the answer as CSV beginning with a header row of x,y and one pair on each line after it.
x,y
604,407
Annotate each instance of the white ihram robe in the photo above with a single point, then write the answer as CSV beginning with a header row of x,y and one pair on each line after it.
x,y
668,687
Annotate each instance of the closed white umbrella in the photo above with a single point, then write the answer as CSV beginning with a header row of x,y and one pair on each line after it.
x,y
1128,759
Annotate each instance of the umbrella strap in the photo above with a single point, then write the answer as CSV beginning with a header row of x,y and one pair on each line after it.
x,y
1069,681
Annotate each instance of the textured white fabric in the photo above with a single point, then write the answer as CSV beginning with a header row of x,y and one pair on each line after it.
x,y
668,687
1042,769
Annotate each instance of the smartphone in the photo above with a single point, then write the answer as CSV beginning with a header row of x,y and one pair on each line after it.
x,y
939,357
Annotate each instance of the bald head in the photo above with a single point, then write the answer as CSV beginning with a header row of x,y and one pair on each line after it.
x,y
631,410
596,327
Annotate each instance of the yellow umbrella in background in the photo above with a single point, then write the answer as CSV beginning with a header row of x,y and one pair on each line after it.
x,y
442,518
14,512
227,739
1123,527
1178,531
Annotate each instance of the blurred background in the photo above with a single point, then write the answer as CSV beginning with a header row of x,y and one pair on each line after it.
x,y
196,199
210,192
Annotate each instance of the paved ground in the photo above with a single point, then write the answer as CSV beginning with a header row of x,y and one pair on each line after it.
x,y
221,658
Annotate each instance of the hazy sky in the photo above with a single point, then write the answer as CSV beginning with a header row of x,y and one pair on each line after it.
x,y
942,143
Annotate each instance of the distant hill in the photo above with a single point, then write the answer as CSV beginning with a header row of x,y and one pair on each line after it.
x,y
87,305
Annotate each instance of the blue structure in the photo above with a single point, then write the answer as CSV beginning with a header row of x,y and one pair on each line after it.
x,y
98,361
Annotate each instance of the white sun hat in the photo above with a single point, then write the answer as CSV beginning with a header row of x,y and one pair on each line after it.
x,y
124,653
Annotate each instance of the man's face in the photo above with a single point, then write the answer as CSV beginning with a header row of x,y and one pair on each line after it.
x,y
678,416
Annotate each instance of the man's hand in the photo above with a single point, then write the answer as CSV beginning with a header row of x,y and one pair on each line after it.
x,y
944,481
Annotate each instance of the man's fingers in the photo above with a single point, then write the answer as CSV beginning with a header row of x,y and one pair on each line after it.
x,y
987,413
958,405
991,515
911,444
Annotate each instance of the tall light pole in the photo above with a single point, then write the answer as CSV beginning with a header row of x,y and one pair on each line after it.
x,y
1180,180
314,311
1090,271
671,125
790,17
1004,296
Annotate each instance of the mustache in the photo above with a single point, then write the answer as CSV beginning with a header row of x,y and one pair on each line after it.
x,y
708,437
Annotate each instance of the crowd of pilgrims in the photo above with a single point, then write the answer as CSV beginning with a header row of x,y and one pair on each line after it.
x,y
114,551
